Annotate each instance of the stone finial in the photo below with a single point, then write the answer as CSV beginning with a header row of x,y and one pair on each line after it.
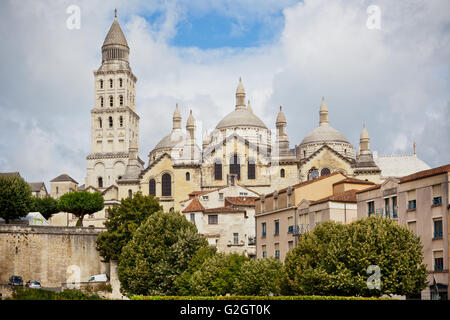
x,y
414,147
115,13
323,113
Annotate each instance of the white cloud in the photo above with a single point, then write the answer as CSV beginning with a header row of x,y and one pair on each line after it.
x,y
394,79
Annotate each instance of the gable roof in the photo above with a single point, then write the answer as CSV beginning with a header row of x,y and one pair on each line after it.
x,y
9,174
325,146
354,181
36,186
240,201
224,210
64,178
194,206
425,173
347,196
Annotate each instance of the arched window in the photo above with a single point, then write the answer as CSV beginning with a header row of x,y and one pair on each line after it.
x,y
111,122
102,102
121,121
235,166
218,170
101,84
188,176
111,83
325,172
130,193
152,187
304,154
100,124
100,182
120,82
166,185
313,174
251,172
282,173
121,100
111,101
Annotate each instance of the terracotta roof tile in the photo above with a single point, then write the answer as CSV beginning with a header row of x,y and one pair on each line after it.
x,y
194,206
240,201
355,181
347,196
377,186
425,173
224,210
64,178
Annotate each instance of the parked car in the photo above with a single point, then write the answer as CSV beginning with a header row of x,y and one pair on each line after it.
x,y
15,281
33,284
98,278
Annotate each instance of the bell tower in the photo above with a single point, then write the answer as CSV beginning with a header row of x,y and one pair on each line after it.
x,y
114,121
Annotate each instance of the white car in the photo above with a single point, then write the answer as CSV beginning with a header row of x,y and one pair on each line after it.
x,y
33,284
98,278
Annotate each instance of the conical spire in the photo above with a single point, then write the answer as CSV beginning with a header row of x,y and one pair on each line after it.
x,y
191,121
176,119
249,107
364,140
281,118
323,113
115,35
240,95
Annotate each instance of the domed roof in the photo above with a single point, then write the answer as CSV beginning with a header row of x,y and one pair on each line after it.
x,y
325,133
115,35
281,118
241,117
171,140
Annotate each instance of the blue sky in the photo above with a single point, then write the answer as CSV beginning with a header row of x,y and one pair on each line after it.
x,y
192,52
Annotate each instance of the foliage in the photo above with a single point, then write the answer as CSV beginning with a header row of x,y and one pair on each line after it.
x,y
183,282
160,250
46,206
21,293
259,277
217,275
255,298
333,260
15,198
122,222
81,203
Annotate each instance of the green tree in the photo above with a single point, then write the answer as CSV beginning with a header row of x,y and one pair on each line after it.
x,y
259,277
217,275
183,282
333,259
46,206
158,253
123,220
81,203
15,198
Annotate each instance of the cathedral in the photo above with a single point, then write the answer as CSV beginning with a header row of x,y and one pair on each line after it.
x,y
240,150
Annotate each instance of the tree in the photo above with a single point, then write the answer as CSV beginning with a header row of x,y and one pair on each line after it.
x,y
183,282
81,203
217,275
334,259
15,198
259,277
46,206
122,222
158,253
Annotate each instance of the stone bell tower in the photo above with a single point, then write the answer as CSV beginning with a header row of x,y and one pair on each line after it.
x,y
114,121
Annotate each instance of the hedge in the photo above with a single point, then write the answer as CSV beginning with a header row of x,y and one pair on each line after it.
x,y
255,298
21,293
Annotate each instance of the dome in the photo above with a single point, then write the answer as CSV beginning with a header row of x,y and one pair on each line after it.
x,y
241,118
281,118
324,133
171,140
115,35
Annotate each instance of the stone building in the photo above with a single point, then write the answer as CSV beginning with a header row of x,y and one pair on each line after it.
x,y
420,202
225,216
241,144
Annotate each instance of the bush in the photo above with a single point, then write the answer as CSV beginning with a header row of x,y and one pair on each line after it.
x,y
15,198
21,293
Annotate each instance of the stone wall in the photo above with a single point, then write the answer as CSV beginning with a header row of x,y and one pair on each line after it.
x,y
49,254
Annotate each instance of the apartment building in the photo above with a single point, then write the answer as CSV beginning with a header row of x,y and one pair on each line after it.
x,y
283,215
419,202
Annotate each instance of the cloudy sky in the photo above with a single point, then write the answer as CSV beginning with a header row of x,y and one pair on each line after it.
x,y
395,78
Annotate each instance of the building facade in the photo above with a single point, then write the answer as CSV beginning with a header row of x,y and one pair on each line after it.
x,y
419,202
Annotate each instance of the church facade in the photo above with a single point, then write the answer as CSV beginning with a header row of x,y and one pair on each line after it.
x,y
241,149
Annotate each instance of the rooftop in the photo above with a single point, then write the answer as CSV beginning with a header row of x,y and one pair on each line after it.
x,y
426,173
